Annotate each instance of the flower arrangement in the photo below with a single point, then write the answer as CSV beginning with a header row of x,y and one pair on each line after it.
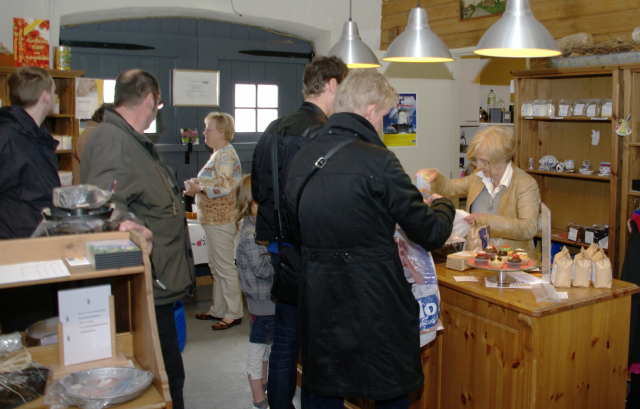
x,y
189,135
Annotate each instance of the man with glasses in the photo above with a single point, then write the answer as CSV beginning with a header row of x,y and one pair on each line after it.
x,y
147,195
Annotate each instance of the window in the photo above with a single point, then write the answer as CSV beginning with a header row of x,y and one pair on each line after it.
x,y
256,106
109,96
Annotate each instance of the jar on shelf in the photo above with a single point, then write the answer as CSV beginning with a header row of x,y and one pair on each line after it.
x,y
580,108
500,104
606,111
491,100
527,108
593,107
565,107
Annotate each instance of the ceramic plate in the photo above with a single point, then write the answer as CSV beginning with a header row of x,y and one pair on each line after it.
x,y
548,160
586,172
602,174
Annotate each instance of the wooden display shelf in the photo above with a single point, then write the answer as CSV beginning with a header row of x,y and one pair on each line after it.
x,y
135,311
556,239
71,116
576,175
566,119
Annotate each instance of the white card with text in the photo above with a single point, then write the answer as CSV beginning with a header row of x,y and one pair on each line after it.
x,y
86,321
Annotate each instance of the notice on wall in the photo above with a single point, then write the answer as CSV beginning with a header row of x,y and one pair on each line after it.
x,y
86,324
30,42
89,96
400,126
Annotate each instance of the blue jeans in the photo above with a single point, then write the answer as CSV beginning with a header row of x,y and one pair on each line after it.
x,y
326,402
284,358
165,318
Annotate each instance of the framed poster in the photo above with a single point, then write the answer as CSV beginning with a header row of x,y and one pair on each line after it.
x,y
400,127
481,8
196,88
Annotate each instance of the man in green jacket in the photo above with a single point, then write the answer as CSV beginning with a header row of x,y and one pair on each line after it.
x,y
147,194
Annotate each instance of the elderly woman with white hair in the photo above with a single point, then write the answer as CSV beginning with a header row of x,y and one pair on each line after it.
x,y
499,194
358,319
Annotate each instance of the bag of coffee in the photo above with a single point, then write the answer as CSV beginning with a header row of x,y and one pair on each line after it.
x,y
581,269
602,275
562,269
592,250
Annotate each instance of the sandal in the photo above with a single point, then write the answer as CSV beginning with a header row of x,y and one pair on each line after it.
x,y
225,325
206,316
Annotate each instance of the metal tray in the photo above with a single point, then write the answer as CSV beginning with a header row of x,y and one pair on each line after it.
x,y
105,386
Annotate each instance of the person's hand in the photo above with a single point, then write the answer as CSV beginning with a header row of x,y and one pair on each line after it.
x,y
430,173
146,233
472,217
431,198
194,187
629,226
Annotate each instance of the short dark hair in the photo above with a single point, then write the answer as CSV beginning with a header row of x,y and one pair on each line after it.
x,y
98,114
320,71
26,85
133,86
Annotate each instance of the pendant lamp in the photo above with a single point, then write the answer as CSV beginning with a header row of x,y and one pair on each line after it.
x,y
350,48
418,43
517,34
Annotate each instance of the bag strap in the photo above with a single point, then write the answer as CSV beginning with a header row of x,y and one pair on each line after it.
x,y
319,164
276,184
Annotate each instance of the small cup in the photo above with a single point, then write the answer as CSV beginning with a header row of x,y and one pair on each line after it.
x,y
586,164
569,164
560,167
605,169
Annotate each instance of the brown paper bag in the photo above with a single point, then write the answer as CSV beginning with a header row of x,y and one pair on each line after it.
x,y
562,269
602,273
592,250
581,269
477,237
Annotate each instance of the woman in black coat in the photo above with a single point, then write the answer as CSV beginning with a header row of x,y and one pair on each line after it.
x,y
359,332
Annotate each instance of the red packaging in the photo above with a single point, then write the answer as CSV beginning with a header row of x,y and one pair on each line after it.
x,y
31,42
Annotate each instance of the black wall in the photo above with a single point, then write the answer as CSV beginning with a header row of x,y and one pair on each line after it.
x,y
181,43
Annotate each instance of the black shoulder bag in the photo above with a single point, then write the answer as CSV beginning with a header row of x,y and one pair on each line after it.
x,y
285,285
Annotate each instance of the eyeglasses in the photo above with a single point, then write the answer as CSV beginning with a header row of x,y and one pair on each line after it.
x,y
207,129
160,104
481,162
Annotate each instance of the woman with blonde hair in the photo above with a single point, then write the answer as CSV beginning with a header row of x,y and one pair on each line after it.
x,y
216,203
358,319
499,194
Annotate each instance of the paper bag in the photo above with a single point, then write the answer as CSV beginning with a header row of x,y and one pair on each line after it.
x,y
602,273
581,269
592,250
561,273
477,237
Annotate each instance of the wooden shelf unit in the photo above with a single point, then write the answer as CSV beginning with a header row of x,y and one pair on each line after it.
x,y
137,336
573,198
64,123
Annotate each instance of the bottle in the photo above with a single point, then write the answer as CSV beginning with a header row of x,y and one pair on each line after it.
x,y
480,116
491,100
500,104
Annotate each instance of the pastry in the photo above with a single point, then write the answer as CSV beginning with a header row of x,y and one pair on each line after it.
x,y
503,253
491,249
507,249
482,259
496,262
514,262
523,256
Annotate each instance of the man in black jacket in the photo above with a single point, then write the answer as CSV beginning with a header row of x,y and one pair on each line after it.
x,y
28,161
320,80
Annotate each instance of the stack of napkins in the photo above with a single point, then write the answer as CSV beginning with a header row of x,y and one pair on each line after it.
x,y
113,254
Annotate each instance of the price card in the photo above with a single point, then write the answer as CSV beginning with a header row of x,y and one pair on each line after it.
x,y
563,110
578,110
607,109
540,110
591,110
573,234
526,110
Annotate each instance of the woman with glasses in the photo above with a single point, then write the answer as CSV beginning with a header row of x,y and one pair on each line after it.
x,y
499,194
216,213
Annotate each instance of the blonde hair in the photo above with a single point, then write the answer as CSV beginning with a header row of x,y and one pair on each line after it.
x,y
244,199
224,123
362,88
498,142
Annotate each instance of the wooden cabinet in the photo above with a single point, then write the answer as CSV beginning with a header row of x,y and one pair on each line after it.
x,y
137,336
64,123
572,197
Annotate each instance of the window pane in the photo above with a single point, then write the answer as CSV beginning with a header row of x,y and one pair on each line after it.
x,y
267,96
265,117
151,128
245,96
245,120
109,90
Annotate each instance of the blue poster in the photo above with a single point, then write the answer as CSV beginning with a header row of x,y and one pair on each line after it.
x,y
400,125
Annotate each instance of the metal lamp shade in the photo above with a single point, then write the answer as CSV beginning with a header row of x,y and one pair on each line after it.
x,y
517,34
352,50
418,43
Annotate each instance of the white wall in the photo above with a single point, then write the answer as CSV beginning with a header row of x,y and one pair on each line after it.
x,y
317,21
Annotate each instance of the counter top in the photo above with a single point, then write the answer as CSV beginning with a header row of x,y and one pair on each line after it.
x,y
523,300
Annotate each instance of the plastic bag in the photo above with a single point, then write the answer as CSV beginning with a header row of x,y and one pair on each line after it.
x,y
20,387
10,342
80,196
460,228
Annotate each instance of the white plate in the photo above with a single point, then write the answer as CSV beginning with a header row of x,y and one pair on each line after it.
x,y
586,172
602,174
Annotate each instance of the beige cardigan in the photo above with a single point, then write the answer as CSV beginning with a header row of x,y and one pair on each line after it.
x,y
516,222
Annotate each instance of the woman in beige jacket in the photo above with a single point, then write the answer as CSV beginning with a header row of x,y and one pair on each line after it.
x,y
499,194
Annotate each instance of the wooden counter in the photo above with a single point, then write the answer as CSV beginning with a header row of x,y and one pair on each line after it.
x,y
502,349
